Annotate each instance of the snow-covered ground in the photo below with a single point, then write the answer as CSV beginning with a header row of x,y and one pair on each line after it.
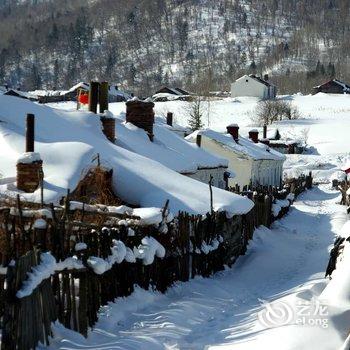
x,y
260,303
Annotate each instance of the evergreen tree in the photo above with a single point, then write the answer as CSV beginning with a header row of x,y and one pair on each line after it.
x,y
195,111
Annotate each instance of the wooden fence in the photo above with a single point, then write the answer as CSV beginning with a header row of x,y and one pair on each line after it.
x,y
194,246
266,198
74,293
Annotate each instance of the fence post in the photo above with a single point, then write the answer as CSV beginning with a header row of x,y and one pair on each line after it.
x,y
93,96
103,96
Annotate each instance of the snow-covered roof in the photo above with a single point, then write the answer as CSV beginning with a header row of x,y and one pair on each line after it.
x,y
167,147
116,92
81,85
346,87
67,142
256,78
21,93
256,151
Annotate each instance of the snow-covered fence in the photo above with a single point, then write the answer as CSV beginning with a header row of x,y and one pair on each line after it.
x,y
272,203
66,262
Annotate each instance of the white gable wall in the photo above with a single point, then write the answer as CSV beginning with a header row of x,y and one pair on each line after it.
x,y
247,86
203,175
248,171
239,164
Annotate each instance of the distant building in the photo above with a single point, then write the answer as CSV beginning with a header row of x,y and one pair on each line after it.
x,y
333,86
20,94
115,95
252,162
251,85
170,94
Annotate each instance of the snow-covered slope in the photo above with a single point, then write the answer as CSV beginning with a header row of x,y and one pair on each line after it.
x,y
167,147
67,142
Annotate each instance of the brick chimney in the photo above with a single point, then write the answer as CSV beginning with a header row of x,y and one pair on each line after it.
x,y
266,77
232,129
141,114
254,135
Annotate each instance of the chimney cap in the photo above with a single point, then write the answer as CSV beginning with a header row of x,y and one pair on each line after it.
x,y
254,131
233,125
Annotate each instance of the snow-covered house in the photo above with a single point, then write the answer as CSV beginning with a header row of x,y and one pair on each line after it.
x,y
170,94
333,86
172,150
252,162
115,95
251,85
68,141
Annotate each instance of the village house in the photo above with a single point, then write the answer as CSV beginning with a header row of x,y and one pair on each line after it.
x,y
115,95
171,94
72,142
251,85
167,147
333,86
252,162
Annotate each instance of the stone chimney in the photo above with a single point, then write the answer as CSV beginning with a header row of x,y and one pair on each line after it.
x,y
254,135
232,129
141,114
29,165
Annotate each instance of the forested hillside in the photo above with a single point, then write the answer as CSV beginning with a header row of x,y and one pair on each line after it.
x,y
198,44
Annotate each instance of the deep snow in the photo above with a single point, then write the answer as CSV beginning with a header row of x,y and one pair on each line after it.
x,y
285,265
68,141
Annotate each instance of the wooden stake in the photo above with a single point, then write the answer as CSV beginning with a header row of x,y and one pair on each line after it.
x,y
103,96
211,194
93,96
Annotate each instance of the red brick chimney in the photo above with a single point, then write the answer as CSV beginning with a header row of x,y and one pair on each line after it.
x,y
232,129
254,135
141,114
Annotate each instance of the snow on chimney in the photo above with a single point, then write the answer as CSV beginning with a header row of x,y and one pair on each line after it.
x,y
232,129
254,135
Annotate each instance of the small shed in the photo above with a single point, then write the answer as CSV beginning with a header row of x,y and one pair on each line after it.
x,y
333,86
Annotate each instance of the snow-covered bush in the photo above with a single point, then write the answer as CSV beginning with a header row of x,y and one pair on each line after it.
x,y
269,111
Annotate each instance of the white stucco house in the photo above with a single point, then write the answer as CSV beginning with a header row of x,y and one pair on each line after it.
x,y
252,162
251,85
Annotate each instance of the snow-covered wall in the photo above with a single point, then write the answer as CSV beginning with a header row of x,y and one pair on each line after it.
x,y
246,86
203,175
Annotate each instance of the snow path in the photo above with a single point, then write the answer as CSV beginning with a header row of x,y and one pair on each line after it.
x,y
221,312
